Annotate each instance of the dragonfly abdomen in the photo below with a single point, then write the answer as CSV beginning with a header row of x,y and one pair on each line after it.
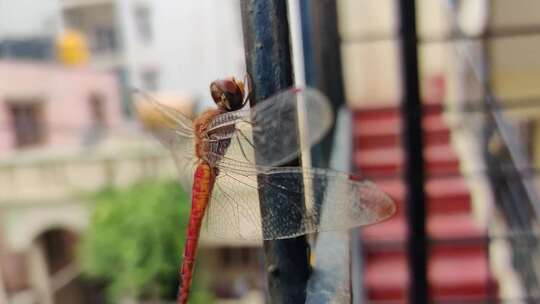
x,y
202,189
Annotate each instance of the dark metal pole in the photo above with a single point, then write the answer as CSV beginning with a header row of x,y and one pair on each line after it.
x,y
268,60
411,111
323,63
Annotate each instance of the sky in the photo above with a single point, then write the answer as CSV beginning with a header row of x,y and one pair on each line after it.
x,y
28,17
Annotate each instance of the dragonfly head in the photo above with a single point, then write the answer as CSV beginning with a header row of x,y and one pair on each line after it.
x,y
228,94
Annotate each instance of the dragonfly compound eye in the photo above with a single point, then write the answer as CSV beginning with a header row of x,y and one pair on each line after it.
x,y
228,94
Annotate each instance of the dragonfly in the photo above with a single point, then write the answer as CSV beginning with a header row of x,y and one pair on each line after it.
x,y
229,155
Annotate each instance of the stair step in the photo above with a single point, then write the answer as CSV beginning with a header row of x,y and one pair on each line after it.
x,y
372,132
393,111
443,227
432,137
365,143
437,249
458,264
380,127
440,159
445,194
386,278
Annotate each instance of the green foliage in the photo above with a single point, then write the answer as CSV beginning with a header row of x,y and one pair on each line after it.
x,y
135,241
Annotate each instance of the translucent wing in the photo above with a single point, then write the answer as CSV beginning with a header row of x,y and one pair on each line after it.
x,y
234,211
271,126
173,129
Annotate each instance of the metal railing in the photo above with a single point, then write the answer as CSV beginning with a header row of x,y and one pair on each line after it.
x,y
507,167
515,195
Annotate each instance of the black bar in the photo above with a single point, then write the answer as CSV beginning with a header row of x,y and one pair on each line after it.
x,y
307,44
323,70
325,66
411,111
268,60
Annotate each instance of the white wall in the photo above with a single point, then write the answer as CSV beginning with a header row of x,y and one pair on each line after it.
x,y
195,42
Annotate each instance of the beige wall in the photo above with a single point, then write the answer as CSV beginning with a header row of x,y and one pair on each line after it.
x,y
372,69
47,190
515,60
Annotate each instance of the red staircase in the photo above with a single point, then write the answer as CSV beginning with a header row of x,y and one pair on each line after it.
x,y
458,258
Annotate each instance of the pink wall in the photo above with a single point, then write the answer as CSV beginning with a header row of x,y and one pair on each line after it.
x,y
65,92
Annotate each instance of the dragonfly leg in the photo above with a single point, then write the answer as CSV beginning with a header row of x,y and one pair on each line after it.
x,y
248,93
242,148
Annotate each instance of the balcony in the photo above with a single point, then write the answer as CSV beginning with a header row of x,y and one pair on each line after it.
x,y
97,21
43,177
68,4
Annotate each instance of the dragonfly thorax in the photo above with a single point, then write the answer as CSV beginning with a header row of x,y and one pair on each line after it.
x,y
200,125
207,145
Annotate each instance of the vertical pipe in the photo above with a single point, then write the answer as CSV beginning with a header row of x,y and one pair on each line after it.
x,y
323,70
307,36
411,112
298,61
297,42
3,293
268,62
325,65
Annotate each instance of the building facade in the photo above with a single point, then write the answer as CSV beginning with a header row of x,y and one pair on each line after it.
x,y
38,110
58,138
67,129
176,47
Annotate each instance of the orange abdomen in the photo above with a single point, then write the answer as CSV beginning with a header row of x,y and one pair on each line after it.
x,y
202,189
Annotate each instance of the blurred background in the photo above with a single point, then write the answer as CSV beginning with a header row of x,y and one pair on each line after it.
x,y
90,210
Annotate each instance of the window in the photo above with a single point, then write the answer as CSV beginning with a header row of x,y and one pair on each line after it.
x,y
242,257
150,79
97,110
143,22
104,40
28,123
98,115
58,246
227,257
